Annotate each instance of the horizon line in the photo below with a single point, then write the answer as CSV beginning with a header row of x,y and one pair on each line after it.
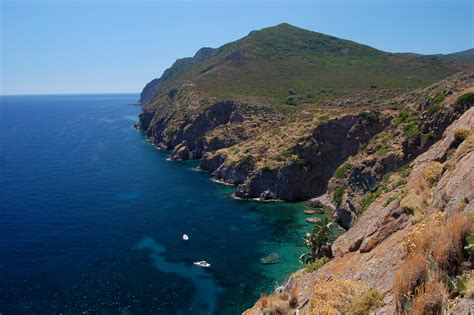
x,y
69,93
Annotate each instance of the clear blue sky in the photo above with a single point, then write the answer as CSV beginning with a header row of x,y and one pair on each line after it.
x,y
118,46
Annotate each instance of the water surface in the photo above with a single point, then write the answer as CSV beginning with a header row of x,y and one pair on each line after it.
x,y
92,217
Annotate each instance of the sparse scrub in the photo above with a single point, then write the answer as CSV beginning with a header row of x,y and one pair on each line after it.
x,y
366,302
461,134
318,263
323,118
417,199
341,170
411,275
435,248
367,200
430,297
344,297
293,301
466,146
433,172
339,194
464,102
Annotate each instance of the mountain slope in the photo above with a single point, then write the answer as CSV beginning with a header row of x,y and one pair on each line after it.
x,y
266,64
276,112
466,56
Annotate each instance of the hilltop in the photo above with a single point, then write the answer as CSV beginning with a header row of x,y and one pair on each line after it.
x,y
286,64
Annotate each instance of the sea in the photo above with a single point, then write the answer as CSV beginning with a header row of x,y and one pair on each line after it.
x,y
92,218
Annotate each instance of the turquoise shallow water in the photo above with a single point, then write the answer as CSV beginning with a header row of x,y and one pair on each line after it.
x,y
92,219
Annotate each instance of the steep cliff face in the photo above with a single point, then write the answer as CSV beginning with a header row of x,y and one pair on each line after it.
x,y
421,120
391,248
307,165
278,80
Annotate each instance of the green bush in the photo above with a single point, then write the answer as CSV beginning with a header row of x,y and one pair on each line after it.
x,y
323,118
338,194
410,130
341,170
291,100
367,200
318,263
383,150
389,201
464,102
171,132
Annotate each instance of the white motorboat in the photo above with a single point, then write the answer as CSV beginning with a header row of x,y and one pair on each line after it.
x,y
185,237
202,263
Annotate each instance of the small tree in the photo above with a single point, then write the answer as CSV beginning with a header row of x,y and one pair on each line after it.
x,y
318,241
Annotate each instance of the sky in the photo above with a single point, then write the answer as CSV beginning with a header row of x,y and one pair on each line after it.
x,y
105,46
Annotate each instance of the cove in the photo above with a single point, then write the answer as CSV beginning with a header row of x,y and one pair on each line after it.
x,y
92,219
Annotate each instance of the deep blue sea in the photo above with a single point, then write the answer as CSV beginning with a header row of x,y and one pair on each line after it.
x,y
92,217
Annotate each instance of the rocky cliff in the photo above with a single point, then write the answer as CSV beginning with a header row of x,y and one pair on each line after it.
x,y
382,142
404,254
262,116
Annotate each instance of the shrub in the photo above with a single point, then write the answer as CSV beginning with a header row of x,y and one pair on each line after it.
x,y
464,102
432,173
447,247
293,302
466,146
410,130
343,296
383,150
291,92
430,297
318,263
405,171
275,304
323,118
291,100
435,248
246,159
366,302
367,200
466,285
417,199
171,132
338,194
427,136
411,275
341,170
461,134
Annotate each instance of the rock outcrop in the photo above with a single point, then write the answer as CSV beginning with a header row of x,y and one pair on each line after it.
x,y
424,116
314,158
373,249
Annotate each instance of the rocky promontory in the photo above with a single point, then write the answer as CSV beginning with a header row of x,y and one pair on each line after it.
x,y
381,141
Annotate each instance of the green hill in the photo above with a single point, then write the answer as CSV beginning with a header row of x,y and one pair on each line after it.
x,y
466,56
289,65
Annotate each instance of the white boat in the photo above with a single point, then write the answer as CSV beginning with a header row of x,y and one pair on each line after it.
x,y
202,263
185,237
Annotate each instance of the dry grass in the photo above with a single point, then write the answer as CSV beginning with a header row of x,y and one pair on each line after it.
x,y
417,199
412,274
461,133
430,297
436,243
293,301
344,296
432,173
469,290
279,304
466,146
447,248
